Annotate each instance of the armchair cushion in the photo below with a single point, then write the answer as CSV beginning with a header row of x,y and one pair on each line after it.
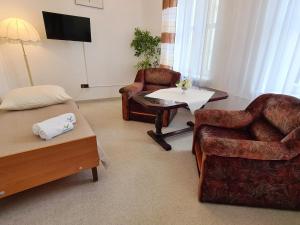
x,y
161,76
216,132
158,77
262,130
283,115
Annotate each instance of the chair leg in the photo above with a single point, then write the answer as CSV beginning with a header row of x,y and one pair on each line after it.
x,y
95,174
125,107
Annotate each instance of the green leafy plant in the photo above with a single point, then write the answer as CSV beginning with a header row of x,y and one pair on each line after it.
x,y
147,49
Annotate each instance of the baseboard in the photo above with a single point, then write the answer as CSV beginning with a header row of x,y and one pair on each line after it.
x,y
99,99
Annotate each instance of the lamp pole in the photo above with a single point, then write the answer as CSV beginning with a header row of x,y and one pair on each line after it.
x,y
27,64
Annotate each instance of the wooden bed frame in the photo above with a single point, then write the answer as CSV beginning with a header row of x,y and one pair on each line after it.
x,y
26,170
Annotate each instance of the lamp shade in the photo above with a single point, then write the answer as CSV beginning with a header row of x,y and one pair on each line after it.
x,y
18,29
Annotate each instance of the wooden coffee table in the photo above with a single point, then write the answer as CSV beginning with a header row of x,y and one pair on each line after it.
x,y
159,105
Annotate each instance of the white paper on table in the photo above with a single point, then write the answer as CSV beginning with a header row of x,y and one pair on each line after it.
x,y
195,98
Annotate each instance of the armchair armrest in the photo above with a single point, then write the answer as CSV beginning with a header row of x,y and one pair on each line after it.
x,y
292,136
132,88
292,140
222,118
248,149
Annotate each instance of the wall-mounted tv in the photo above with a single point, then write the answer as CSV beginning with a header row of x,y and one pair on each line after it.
x,y
67,27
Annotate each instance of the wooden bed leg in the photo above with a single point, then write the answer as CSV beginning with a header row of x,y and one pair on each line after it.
x,y
95,174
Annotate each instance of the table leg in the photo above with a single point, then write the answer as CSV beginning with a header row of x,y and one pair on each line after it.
x,y
159,122
158,136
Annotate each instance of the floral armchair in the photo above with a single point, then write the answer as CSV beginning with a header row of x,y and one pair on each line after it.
x,y
148,80
250,157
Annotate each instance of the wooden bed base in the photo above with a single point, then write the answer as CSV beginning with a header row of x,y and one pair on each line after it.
x,y
26,170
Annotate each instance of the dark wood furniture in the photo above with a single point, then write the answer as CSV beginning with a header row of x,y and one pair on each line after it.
x,y
159,106
148,80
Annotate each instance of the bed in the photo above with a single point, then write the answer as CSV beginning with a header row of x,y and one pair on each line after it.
x,y
27,161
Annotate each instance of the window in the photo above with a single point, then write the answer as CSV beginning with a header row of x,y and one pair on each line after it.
x,y
195,32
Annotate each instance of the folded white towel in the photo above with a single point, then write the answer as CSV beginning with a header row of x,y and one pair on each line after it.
x,y
48,132
61,119
55,126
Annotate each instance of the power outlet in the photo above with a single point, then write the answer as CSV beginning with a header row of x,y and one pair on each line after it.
x,y
85,85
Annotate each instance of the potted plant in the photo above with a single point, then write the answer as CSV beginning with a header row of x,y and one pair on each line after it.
x,y
147,49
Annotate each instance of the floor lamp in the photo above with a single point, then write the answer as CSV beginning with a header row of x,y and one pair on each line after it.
x,y
21,31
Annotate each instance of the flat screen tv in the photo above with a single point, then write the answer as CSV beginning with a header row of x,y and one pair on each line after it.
x,y
67,27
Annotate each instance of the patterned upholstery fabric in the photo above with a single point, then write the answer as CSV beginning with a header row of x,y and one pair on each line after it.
x,y
132,89
294,135
222,118
259,183
283,114
262,130
250,157
153,87
220,132
155,79
160,77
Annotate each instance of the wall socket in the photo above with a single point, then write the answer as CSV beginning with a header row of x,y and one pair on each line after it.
x,y
84,85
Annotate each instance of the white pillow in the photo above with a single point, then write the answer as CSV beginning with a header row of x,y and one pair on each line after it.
x,y
34,97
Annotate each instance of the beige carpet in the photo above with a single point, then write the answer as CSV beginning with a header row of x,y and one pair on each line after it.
x,y
142,185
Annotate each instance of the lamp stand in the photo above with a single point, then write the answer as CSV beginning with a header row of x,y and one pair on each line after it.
x,y
27,64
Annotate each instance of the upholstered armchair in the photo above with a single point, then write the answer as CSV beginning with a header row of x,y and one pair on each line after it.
x,y
250,157
148,80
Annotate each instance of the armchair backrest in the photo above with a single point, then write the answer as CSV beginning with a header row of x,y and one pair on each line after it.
x,y
281,111
157,78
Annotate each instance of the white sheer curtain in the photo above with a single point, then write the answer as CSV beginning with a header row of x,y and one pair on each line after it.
x,y
253,47
278,58
195,29
257,47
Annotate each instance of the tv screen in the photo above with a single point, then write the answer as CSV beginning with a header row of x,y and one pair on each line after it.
x,y
66,27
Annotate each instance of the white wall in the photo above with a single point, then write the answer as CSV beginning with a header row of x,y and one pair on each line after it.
x,y
109,57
